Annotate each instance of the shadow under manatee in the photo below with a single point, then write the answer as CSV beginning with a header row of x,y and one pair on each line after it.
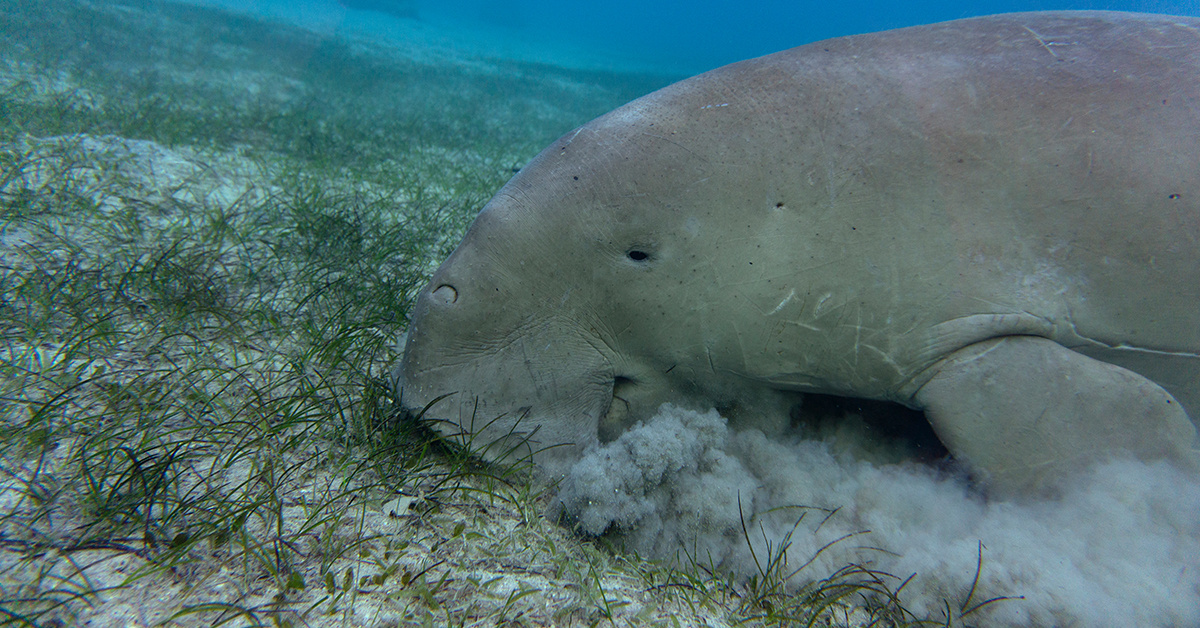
x,y
880,431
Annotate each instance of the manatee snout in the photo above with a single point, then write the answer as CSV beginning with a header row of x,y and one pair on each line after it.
x,y
509,388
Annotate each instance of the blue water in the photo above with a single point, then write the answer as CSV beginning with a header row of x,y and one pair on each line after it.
x,y
676,35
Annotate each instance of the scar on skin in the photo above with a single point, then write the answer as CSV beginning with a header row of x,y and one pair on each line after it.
x,y
1045,44
788,299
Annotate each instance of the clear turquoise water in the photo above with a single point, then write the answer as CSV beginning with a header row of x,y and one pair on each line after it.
x,y
684,36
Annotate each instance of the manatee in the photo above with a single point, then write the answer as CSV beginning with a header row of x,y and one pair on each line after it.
x,y
993,220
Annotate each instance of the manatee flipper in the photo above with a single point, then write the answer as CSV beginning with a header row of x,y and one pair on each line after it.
x,y
1025,412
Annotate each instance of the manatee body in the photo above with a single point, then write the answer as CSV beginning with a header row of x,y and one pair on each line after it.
x,y
995,220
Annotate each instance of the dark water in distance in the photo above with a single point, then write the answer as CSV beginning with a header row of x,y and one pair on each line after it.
x,y
685,36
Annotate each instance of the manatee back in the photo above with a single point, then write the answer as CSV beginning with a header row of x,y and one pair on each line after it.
x,y
1043,164
1064,149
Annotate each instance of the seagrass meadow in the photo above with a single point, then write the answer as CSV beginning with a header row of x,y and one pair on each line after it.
x,y
211,231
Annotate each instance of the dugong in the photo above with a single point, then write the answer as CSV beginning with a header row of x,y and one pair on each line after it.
x,y
993,220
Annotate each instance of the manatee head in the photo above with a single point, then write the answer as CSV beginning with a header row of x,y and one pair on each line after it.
x,y
581,299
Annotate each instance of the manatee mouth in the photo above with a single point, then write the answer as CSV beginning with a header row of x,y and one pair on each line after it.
x,y
496,438
618,417
409,412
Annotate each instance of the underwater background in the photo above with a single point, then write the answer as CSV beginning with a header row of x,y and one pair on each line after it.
x,y
688,37
214,218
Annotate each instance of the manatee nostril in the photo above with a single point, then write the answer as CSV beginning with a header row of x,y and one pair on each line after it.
x,y
445,294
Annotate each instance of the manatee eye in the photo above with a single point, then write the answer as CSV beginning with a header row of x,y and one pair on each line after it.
x,y
638,256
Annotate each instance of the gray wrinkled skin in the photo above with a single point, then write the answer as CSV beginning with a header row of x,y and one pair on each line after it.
x,y
995,220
